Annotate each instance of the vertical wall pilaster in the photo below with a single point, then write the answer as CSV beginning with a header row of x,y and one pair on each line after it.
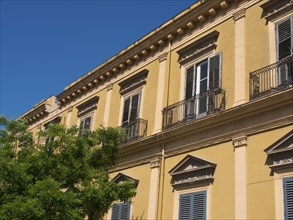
x,y
68,119
240,96
160,92
240,144
107,105
154,188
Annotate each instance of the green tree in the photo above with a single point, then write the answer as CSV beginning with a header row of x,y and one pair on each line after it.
x,y
65,178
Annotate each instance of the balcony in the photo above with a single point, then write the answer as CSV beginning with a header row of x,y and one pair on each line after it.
x,y
135,130
195,108
271,79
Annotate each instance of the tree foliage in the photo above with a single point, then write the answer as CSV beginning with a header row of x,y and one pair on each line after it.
x,y
64,178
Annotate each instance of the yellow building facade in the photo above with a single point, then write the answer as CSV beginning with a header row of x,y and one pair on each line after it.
x,y
206,102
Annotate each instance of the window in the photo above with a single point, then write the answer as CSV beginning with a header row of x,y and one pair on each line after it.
x,y
284,38
200,78
131,108
131,90
288,197
192,206
54,121
120,211
85,124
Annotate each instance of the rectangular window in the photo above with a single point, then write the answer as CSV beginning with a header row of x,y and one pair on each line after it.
x,y
131,109
288,197
54,121
284,38
200,78
121,211
85,124
192,206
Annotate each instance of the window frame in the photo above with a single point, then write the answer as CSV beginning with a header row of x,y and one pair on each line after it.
x,y
83,118
279,176
120,204
178,193
130,96
139,90
192,203
196,81
285,180
272,23
290,18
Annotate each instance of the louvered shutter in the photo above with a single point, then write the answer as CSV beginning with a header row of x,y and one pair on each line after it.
x,y
185,207
189,92
126,111
215,71
134,108
288,198
192,206
284,39
199,206
115,211
125,209
121,211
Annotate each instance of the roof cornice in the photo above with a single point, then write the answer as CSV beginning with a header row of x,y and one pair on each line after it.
x,y
196,15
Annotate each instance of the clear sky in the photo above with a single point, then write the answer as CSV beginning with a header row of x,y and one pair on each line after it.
x,y
46,45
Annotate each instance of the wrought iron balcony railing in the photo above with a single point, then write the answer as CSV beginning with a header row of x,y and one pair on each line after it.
x,y
271,79
197,107
135,130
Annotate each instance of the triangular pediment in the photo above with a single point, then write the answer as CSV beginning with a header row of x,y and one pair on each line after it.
x,y
191,164
192,170
280,153
120,177
284,144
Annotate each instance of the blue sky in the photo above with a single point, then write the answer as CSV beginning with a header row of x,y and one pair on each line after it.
x,y
46,45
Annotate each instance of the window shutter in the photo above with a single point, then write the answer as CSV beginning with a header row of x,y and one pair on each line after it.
x,y
126,111
134,108
288,197
189,83
284,39
81,124
125,210
115,212
199,205
192,206
121,211
185,207
215,71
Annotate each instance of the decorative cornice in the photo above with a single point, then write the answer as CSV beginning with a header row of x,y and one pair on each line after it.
x,y
133,82
195,49
69,109
162,57
120,177
36,114
110,87
239,14
155,163
192,170
87,106
239,141
186,21
274,8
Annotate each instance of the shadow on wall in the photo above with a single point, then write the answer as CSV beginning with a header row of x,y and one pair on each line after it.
x,y
139,217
